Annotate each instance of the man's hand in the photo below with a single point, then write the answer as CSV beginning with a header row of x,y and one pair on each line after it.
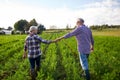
x,y
24,55
56,40
92,48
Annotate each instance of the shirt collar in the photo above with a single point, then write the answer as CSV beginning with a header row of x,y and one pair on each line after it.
x,y
31,34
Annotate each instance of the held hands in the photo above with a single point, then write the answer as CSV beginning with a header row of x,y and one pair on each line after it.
x,y
56,40
53,41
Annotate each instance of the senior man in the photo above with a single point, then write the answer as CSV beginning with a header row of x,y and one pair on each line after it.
x,y
85,43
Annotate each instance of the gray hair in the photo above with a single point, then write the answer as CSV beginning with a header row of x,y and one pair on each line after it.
x,y
32,28
81,20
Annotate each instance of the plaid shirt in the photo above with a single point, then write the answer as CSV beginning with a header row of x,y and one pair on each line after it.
x,y
32,44
84,38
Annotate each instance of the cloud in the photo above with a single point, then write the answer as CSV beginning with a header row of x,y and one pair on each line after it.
x,y
104,3
11,13
104,12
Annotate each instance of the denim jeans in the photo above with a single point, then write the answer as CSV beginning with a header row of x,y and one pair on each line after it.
x,y
84,60
34,61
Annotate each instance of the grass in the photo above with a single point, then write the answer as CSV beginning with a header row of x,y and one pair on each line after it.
x,y
113,32
60,61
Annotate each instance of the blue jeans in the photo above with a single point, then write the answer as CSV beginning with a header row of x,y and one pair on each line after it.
x,y
34,61
84,60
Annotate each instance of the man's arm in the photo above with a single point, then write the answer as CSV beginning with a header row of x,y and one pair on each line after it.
x,y
92,41
73,33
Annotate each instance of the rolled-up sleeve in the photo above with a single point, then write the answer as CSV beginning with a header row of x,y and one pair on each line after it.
x,y
92,40
46,41
73,33
91,36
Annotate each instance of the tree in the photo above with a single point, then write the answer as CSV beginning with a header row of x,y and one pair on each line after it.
x,y
67,27
104,26
0,28
20,25
33,22
9,28
41,28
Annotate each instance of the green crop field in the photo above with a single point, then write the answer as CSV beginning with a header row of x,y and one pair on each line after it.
x,y
60,61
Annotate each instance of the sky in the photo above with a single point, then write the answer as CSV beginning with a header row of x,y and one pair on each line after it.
x,y
60,12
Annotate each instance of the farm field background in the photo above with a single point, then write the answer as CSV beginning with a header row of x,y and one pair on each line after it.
x,y
60,61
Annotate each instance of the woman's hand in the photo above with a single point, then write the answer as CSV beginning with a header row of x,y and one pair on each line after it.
x,y
24,55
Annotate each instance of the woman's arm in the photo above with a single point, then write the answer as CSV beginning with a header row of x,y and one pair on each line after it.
x,y
25,49
43,40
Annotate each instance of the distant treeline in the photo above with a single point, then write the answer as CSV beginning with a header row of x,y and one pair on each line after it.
x,y
100,27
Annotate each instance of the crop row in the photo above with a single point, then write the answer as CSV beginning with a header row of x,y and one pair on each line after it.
x,y
60,61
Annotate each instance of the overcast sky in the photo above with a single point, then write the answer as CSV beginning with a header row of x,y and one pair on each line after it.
x,y
60,12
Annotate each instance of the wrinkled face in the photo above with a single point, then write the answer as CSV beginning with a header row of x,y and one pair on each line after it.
x,y
78,23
